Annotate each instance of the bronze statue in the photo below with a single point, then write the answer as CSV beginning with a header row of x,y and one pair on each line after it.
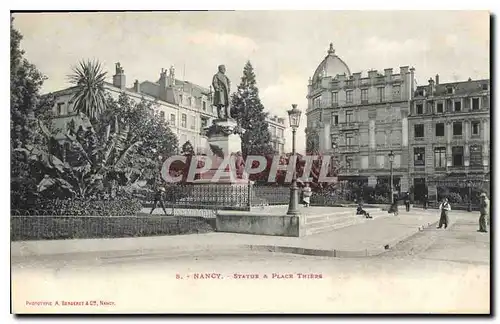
x,y
221,85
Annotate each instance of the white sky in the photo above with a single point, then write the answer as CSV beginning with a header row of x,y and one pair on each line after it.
x,y
284,47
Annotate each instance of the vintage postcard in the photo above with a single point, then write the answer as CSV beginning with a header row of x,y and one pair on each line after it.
x,y
250,162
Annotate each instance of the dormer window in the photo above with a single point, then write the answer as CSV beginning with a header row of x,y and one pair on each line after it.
x,y
484,86
449,90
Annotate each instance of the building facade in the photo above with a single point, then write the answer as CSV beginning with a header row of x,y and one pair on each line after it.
x,y
361,119
185,107
449,134
277,130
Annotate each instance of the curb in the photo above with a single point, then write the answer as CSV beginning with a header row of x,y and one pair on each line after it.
x,y
335,253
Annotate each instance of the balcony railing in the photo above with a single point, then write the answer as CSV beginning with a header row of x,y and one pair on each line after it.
x,y
348,125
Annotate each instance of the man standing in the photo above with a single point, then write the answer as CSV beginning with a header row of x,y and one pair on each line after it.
x,y
484,209
159,192
445,208
221,85
407,201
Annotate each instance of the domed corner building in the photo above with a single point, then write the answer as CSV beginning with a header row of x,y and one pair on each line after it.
x,y
360,119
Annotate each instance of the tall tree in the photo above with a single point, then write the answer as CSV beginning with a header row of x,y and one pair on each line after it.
x,y
248,111
88,78
27,107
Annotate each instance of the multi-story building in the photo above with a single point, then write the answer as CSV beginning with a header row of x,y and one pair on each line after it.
x,y
186,107
277,130
361,119
449,134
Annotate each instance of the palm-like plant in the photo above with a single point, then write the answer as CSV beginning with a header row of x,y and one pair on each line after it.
x,y
89,98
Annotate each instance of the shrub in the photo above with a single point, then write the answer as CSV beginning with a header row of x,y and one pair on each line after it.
x,y
381,199
26,228
74,207
455,198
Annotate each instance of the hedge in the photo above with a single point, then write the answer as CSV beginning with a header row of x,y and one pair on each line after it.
x,y
24,228
112,207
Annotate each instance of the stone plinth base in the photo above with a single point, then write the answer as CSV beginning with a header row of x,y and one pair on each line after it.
x,y
259,224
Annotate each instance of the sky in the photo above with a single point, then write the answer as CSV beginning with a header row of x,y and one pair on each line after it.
x,y
284,47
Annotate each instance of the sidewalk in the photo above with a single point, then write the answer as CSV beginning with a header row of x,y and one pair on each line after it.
x,y
366,239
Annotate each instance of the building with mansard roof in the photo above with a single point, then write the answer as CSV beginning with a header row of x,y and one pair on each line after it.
x,y
361,118
449,139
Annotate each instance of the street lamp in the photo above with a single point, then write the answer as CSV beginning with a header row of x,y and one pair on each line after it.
x,y
469,206
294,116
391,161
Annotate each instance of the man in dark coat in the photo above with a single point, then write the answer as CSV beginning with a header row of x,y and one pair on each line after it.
x,y
159,190
222,86
445,208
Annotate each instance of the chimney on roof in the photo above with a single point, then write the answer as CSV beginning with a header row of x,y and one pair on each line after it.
x,y
437,79
470,79
171,76
137,86
119,79
163,85
431,87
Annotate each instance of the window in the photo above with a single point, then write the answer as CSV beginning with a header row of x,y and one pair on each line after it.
x,y
486,102
184,120
172,119
440,129
458,105
449,90
211,108
475,128
162,115
349,139
348,116
419,109
60,108
440,108
380,94
457,153
475,103
204,105
335,119
457,129
335,97
193,122
180,99
272,131
364,95
280,132
317,102
484,86
419,130
419,156
204,122
348,96
190,102
348,162
396,92
440,157
476,155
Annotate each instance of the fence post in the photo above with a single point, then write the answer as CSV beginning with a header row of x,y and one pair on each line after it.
x,y
249,193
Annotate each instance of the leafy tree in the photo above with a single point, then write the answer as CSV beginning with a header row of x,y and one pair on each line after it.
x,y
88,79
26,108
249,113
187,149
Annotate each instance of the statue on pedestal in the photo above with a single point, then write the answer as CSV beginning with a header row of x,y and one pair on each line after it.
x,y
221,85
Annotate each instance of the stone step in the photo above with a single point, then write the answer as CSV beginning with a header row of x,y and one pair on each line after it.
x,y
340,222
312,219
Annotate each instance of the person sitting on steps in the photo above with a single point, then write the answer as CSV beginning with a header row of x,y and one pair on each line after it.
x,y
361,211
